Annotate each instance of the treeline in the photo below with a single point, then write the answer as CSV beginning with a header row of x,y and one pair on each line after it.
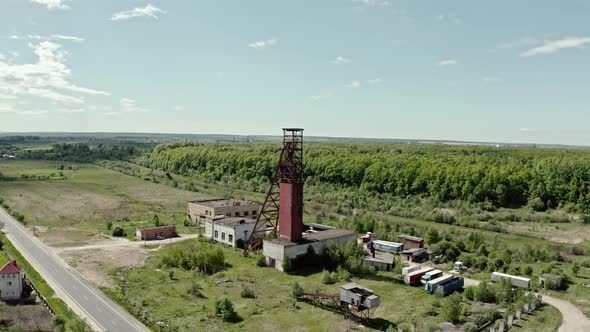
x,y
494,177
81,152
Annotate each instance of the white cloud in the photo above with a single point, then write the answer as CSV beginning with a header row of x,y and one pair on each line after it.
x,y
177,108
112,113
340,60
320,97
262,44
7,109
128,105
13,37
449,18
147,11
62,37
354,84
48,78
372,3
448,62
32,112
52,4
557,45
375,81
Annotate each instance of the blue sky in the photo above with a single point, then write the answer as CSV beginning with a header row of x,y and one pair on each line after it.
x,y
511,71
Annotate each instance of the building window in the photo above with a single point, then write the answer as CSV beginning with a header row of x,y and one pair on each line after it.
x,y
237,214
230,238
216,234
253,212
228,214
245,213
10,283
223,236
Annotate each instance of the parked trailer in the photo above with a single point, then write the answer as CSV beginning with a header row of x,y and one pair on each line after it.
x,y
431,276
515,280
449,286
409,269
387,246
430,286
415,276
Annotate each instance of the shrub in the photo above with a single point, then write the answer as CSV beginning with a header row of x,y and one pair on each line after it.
x,y
195,289
328,278
528,270
247,293
109,225
469,293
296,289
261,261
537,205
470,327
118,231
203,256
452,309
224,309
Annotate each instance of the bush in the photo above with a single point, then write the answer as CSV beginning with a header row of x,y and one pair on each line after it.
x,y
247,293
118,231
470,327
109,225
195,289
326,278
261,261
206,257
469,293
296,290
224,309
452,309
528,271
537,205
485,293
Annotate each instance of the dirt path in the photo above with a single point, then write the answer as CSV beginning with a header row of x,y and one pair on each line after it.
x,y
573,319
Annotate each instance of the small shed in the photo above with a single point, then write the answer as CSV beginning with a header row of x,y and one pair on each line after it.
x,y
382,262
156,233
411,241
553,278
415,255
358,297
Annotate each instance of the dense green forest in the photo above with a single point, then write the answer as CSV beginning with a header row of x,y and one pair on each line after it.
x,y
79,152
492,177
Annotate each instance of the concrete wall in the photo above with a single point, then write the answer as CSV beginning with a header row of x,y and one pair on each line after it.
x,y
236,231
278,253
11,286
198,212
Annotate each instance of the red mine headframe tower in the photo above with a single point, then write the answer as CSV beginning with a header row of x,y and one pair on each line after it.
x,y
283,206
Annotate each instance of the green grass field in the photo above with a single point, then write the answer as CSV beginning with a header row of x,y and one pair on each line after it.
x,y
75,210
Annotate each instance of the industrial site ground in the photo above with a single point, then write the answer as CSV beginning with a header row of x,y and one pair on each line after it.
x,y
71,210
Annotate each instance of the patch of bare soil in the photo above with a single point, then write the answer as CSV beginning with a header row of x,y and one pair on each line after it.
x,y
25,318
94,263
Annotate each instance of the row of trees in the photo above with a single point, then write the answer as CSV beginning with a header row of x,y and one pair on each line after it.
x,y
81,152
494,176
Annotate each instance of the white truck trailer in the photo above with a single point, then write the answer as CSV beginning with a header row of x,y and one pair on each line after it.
x,y
516,281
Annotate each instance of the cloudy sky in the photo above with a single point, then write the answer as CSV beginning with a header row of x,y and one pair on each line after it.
x,y
504,70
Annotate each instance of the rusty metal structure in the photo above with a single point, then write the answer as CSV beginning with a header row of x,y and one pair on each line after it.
x,y
282,209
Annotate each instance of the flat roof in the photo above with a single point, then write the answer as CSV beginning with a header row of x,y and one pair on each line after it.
x,y
232,221
413,251
387,259
159,227
550,276
410,237
219,202
510,276
331,233
356,288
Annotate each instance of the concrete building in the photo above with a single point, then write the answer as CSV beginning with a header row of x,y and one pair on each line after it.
x,y
380,261
156,233
317,236
11,281
207,210
411,241
230,230
415,255
554,279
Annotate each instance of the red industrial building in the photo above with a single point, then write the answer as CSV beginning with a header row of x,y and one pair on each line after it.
x,y
156,233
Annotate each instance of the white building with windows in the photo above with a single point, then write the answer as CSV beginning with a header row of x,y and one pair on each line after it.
x,y
200,211
11,281
229,230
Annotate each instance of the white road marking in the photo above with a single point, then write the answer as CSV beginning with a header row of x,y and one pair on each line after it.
x,y
85,297
97,308
114,322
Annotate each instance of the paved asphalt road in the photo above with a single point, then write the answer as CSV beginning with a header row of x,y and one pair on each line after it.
x,y
85,299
